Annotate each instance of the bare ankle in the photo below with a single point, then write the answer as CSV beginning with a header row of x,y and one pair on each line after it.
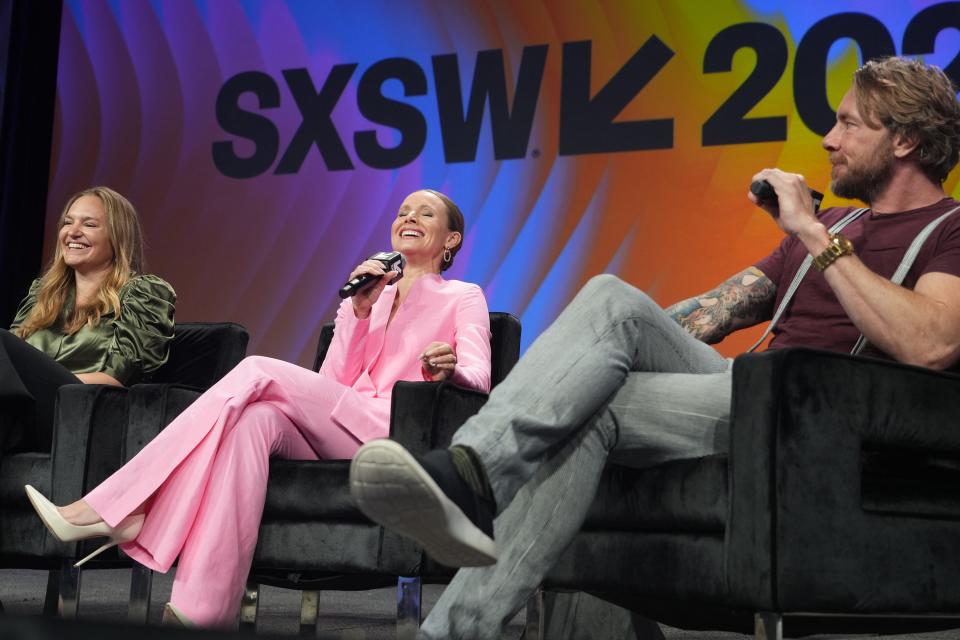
x,y
79,513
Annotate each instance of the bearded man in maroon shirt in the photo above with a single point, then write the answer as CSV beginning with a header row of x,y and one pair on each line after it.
x,y
617,378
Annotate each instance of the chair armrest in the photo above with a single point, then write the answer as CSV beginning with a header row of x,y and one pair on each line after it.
x,y
802,534
152,407
89,425
88,429
97,428
424,415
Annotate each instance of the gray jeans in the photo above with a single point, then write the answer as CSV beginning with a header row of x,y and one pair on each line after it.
x,y
614,378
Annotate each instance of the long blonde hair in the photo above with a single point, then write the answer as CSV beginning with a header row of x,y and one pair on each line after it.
x,y
58,282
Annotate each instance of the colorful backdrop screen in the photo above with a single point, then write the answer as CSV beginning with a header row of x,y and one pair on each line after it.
x,y
267,145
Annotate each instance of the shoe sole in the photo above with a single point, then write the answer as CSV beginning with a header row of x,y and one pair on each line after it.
x,y
391,488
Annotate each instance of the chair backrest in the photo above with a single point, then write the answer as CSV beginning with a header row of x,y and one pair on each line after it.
x,y
504,345
202,352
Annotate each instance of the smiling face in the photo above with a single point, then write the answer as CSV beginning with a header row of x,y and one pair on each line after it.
x,y
84,239
421,230
862,156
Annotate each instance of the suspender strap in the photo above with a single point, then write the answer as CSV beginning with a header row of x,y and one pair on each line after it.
x,y
908,258
802,271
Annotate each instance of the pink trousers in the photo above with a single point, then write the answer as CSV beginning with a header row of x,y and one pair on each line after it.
x,y
203,480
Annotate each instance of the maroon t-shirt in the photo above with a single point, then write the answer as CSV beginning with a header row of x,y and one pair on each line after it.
x,y
814,318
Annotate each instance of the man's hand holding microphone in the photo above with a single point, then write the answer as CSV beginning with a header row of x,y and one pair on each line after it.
x,y
793,205
787,198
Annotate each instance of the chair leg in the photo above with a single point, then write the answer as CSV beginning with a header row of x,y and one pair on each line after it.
x,y
141,588
309,613
409,591
533,629
767,625
249,607
51,602
69,590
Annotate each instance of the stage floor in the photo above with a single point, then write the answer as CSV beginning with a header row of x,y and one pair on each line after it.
x,y
366,615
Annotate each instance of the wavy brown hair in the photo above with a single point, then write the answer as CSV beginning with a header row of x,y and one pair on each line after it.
x,y
58,281
916,101
455,222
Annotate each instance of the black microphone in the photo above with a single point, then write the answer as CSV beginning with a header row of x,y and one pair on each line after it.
x,y
391,260
767,195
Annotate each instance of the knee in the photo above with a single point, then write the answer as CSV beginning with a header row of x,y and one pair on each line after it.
x,y
617,298
253,363
9,337
251,368
604,285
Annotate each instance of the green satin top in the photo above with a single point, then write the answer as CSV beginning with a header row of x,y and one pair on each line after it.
x,y
128,348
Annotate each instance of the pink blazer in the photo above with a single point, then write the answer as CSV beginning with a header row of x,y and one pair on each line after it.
x,y
369,357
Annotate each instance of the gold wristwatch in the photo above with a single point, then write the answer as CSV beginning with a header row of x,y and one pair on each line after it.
x,y
838,247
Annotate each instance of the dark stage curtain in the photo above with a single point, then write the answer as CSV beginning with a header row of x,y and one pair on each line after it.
x,y
30,38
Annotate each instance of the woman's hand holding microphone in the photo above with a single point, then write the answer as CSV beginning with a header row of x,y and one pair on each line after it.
x,y
438,359
364,299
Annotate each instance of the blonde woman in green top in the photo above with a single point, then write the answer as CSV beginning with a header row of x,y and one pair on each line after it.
x,y
92,317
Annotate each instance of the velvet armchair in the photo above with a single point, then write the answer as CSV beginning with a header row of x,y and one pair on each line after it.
x,y
313,537
837,508
96,429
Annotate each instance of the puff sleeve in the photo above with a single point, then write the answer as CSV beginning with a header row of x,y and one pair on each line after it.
x,y
141,335
27,304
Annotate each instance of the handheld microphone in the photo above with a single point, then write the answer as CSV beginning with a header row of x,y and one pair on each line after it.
x,y
391,260
766,194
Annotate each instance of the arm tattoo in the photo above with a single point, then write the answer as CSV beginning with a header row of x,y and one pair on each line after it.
x,y
742,301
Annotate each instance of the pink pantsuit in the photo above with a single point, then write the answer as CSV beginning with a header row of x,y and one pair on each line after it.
x,y
204,478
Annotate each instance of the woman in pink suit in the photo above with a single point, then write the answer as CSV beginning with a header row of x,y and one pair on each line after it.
x,y
198,489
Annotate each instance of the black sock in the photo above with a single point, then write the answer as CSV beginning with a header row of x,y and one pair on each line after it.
x,y
468,465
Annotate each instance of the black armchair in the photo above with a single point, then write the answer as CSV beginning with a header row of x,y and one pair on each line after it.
x,y
96,429
313,537
836,510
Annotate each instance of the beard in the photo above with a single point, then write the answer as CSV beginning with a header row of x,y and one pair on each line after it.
x,y
866,181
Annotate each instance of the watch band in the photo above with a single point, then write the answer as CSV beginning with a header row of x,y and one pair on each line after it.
x,y
838,247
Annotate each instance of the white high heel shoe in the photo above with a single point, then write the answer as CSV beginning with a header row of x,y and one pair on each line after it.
x,y
64,531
